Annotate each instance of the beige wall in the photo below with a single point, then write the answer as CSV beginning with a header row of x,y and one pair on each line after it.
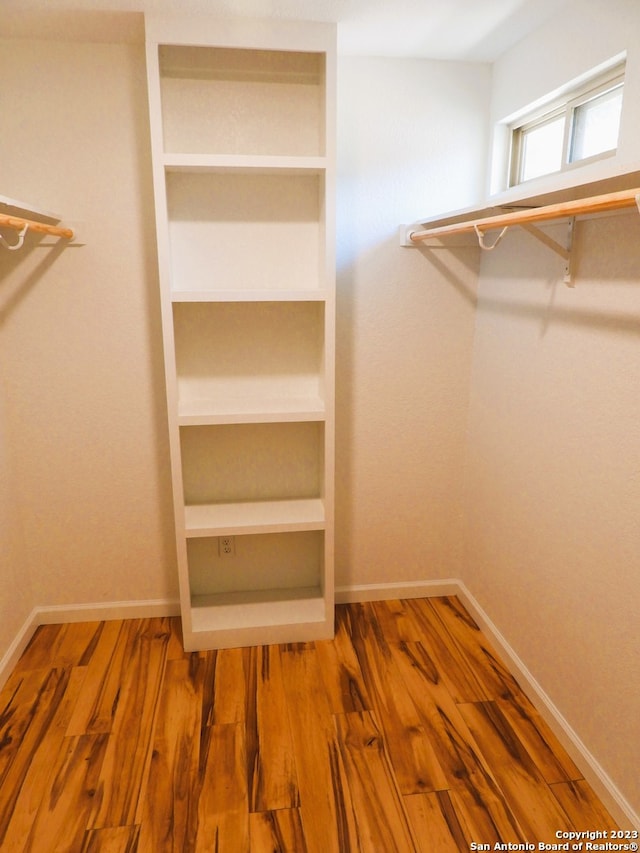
x,y
553,541
80,355
553,538
410,133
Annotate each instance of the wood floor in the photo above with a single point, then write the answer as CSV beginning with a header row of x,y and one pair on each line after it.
x,y
405,733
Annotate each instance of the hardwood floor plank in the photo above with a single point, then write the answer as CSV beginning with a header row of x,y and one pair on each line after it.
x,y
378,817
223,808
412,752
97,705
112,839
322,807
481,804
341,673
26,775
530,798
175,650
125,769
550,757
580,802
57,646
37,654
540,742
277,832
450,662
397,621
30,783
481,656
464,768
271,766
436,823
224,687
206,664
20,701
112,738
64,798
170,808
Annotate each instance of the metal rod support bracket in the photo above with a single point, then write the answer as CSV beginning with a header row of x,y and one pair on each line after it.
x,y
563,251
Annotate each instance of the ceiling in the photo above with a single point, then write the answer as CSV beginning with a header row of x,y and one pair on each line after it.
x,y
468,30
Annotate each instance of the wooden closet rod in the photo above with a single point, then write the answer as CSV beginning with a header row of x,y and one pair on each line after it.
x,y
595,204
18,224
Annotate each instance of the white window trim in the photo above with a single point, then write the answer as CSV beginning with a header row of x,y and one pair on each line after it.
x,y
571,98
610,85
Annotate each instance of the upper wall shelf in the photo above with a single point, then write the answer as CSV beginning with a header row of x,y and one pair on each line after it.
x,y
528,213
11,216
595,204
244,164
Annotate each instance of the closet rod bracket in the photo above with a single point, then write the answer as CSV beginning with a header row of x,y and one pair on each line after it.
x,y
12,247
481,242
564,251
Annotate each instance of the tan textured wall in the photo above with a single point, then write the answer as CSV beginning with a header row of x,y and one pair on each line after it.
x,y
411,137
80,357
553,544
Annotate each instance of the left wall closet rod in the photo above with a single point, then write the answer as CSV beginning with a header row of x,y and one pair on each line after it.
x,y
19,224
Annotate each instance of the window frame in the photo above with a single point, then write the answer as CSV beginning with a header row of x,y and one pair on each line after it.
x,y
565,106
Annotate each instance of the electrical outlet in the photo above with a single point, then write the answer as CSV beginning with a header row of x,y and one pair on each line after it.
x,y
226,546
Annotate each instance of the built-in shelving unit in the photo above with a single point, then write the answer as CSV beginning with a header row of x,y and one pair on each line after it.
x,y
242,123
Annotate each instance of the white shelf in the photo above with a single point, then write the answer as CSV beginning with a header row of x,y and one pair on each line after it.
x,y
252,462
554,189
19,208
271,101
269,410
232,519
245,356
245,164
230,230
310,295
243,619
257,609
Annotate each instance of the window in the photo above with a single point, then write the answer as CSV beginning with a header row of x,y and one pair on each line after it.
x,y
583,126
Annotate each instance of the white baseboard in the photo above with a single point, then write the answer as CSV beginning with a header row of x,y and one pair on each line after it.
x,y
387,591
600,781
17,647
105,611
95,612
